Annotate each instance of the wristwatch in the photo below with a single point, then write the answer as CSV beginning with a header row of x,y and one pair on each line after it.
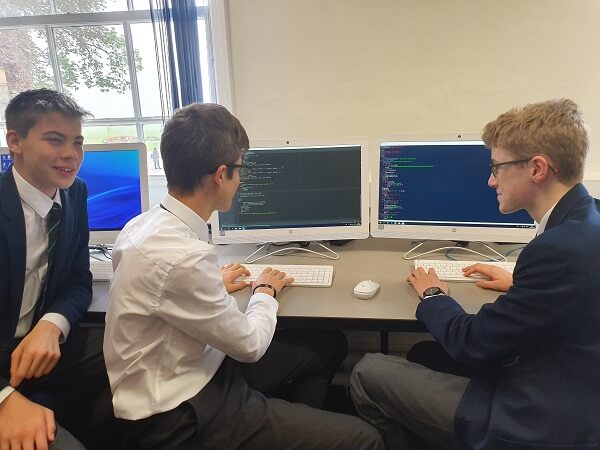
x,y
431,292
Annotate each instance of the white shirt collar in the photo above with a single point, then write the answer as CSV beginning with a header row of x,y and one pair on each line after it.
x,y
36,199
544,220
187,216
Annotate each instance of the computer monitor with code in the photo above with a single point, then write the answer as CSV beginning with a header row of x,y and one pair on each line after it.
x,y
437,189
299,191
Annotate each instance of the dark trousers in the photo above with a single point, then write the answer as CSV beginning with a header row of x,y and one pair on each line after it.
x,y
232,412
432,355
77,389
298,366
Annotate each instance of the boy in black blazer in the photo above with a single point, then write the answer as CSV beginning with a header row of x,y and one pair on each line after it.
x,y
48,365
532,356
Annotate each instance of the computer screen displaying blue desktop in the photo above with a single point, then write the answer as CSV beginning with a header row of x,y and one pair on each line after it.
x,y
5,160
117,180
438,190
299,191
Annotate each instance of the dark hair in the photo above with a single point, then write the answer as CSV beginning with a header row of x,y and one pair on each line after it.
x,y
23,111
196,141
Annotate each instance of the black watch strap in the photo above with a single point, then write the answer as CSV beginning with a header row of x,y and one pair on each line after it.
x,y
265,285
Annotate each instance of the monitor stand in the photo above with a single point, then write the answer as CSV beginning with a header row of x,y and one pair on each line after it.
x,y
289,248
494,257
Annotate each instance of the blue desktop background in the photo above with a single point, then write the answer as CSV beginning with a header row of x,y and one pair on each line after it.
x,y
113,181
5,162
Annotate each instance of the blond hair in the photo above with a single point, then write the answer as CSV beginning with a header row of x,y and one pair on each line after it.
x,y
553,128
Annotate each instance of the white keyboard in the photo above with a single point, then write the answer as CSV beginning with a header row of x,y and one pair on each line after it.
x,y
449,270
101,270
304,275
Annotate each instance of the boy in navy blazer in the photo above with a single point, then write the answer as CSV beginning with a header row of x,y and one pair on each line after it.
x,y
48,364
534,354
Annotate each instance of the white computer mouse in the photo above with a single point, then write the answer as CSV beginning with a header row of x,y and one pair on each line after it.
x,y
366,289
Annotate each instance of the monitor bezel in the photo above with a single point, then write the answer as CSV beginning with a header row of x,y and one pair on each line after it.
x,y
305,233
108,237
432,232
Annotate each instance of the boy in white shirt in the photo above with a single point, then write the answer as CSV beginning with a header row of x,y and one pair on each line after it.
x,y
181,357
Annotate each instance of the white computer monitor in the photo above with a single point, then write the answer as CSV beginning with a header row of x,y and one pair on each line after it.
x,y
299,190
435,187
117,180
116,176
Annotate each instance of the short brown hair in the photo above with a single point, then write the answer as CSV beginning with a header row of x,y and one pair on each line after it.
x,y
198,139
23,111
553,128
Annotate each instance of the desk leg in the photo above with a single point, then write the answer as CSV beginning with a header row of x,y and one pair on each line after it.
x,y
384,342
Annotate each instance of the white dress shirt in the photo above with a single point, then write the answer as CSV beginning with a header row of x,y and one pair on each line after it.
x,y
544,220
170,321
36,206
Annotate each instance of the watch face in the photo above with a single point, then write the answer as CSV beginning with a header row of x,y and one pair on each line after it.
x,y
432,291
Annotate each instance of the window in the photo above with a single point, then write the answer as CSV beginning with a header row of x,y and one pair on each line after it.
x,y
93,66
110,134
24,62
102,53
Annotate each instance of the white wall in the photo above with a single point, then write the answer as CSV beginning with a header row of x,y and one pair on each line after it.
x,y
318,68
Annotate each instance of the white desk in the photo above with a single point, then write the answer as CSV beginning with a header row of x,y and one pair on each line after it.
x,y
392,309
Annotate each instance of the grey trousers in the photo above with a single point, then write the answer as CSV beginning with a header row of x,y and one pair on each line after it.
x,y
65,441
395,395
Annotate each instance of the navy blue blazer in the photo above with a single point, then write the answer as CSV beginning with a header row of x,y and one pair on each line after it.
x,y
69,288
536,349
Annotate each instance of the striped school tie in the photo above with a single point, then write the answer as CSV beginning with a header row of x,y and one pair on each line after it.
x,y
53,226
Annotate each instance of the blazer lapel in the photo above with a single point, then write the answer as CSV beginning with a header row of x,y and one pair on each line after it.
x,y
12,232
565,204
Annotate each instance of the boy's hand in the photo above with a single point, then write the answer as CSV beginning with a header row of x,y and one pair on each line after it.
x,y
230,272
274,278
499,279
24,424
421,280
37,354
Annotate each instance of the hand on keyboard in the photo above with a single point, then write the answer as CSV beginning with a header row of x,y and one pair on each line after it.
x,y
498,279
271,277
421,279
231,272
493,275
305,275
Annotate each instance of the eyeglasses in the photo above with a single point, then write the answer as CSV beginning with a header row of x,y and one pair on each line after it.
x,y
245,169
495,166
